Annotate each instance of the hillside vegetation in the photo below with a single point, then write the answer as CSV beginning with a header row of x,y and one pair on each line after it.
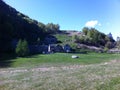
x,y
88,38
15,26
21,68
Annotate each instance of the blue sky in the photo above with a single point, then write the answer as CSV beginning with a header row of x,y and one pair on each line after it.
x,y
104,15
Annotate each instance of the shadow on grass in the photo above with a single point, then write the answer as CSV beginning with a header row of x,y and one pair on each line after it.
x,y
6,59
82,52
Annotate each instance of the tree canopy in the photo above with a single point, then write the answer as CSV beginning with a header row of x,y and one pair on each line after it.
x,y
92,36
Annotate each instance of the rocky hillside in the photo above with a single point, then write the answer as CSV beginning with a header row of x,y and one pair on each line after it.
x,y
15,25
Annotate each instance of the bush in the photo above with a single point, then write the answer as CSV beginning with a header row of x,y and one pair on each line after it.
x,y
106,49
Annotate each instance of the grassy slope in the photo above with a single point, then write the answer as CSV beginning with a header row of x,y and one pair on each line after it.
x,y
59,72
65,39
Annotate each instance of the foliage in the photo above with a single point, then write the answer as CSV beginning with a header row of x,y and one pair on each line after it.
x,y
108,45
15,25
75,38
73,46
52,28
118,43
92,36
85,30
22,48
106,49
110,37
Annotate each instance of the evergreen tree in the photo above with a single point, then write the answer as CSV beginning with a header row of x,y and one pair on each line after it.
x,y
25,48
18,48
22,48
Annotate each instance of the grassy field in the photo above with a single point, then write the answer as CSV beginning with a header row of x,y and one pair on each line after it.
x,y
59,71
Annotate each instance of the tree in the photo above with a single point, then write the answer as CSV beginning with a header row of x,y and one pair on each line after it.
x,y
109,45
52,28
93,37
85,30
81,39
75,38
19,48
22,48
25,48
107,38
110,36
41,25
118,42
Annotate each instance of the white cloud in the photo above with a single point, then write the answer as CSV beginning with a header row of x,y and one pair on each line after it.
x,y
92,23
99,24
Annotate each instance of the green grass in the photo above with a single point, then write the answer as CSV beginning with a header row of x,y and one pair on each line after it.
x,y
63,59
112,84
65,39
59,71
